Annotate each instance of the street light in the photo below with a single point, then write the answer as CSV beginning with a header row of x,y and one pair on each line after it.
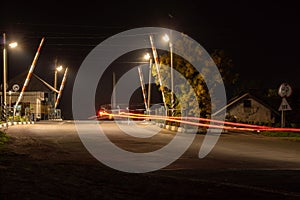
x,y
4,85
13,44
166,38
147,56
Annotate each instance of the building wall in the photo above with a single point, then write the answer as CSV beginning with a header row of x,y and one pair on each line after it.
x,y
33,99
255,112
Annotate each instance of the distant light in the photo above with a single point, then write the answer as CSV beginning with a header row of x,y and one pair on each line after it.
x,y
147,56
59,68
166,38
13,45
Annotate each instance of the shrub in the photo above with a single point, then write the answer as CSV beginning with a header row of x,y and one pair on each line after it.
x,y
3,138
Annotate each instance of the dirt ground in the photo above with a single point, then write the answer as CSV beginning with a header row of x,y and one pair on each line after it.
x,y
31,168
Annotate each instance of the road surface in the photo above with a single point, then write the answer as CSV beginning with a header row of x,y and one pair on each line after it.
x,y
47,160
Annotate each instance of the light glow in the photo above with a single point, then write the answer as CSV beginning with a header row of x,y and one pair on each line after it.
x,y
166,38
147,56
13,45
59,68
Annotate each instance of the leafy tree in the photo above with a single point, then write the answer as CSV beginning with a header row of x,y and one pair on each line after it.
x,y
195,79
226,67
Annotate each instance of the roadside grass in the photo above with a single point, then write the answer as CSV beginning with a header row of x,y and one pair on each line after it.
x,y
288,135
280,134
3,138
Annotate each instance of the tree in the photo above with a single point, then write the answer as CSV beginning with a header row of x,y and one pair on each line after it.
x,y
193,77
196,80
226,67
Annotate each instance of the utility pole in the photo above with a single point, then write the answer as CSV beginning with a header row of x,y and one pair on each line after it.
x,y
55,81
113,106
4,86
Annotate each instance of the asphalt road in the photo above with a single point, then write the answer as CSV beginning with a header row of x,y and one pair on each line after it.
x,y
47,160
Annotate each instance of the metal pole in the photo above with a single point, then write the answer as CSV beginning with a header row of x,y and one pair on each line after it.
x,y
282,119
172,80
55,86
114,92
9,101
55,82
4,86
55,79
149,85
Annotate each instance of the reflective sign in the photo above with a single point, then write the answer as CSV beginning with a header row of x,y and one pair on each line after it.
x,y
285,90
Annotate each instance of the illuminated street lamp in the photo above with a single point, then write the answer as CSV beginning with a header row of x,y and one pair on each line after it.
x,y
4,85
166,38
147,56
13,44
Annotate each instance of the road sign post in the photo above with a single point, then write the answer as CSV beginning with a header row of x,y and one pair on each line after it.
x,y
284,91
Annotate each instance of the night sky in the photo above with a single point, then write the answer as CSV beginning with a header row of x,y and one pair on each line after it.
x,y
261,37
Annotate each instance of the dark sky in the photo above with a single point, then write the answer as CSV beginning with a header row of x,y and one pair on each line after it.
x,y
262,37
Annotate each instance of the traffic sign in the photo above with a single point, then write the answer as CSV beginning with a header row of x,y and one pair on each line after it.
x,y
284,105
285,90
15,87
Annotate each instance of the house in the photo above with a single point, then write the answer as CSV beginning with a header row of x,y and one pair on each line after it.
x,y
250,108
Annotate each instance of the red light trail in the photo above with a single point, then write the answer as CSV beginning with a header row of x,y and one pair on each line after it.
x,y
202,122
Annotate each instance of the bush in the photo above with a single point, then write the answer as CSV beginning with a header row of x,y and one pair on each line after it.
x,y
3,138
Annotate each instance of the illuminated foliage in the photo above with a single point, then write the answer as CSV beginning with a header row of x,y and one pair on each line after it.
x,y
195,79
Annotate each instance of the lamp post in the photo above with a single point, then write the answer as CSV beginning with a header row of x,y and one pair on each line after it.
x,y
167,39
4,85
57,69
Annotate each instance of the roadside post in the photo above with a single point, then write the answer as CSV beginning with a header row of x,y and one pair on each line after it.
x,y
284,91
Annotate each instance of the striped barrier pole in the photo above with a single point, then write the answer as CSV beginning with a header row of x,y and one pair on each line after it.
x,y
29,74
158,73
47,84
149,84
143,88
61,88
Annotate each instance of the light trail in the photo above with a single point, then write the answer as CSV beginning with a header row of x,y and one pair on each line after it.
x,y
201,119
195,122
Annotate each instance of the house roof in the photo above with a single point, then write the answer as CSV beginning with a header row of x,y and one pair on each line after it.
x,y
271,102
254,95
34,83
